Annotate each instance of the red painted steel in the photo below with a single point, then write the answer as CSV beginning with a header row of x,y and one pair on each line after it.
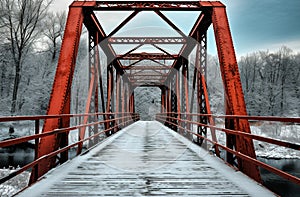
x,y
147,40
61,88
87,110
175,90
234,97
244,157
38,160
141,56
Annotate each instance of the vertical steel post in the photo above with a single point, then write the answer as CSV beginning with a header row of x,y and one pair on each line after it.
x,y
118,89
178,99
93,76
99,74
131,101
185,95
81,131
109,99
169,104
163,99
127,100
173,102
201,71
123,102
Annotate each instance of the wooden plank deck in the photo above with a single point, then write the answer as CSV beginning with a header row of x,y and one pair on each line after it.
x,y
145,159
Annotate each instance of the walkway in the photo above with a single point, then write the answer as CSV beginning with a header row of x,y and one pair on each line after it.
x,y
146,159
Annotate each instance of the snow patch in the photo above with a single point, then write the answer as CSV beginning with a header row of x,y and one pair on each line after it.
x,y
14,185
288,133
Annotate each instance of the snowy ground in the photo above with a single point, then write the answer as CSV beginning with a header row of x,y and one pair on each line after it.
x,y
9,188
289,133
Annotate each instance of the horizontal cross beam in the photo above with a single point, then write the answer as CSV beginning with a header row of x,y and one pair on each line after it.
x,y
147,68
139,77
153,56
144,5
147,40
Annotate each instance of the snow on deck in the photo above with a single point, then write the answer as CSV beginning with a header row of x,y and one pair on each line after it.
x,y
145,159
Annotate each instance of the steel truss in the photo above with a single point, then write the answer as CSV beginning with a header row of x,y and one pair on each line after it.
x,y
177,97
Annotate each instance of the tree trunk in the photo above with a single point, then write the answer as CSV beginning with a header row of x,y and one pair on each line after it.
x,y
54,50
16,87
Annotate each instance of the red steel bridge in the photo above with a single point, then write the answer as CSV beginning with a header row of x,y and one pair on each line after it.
x,y
110,113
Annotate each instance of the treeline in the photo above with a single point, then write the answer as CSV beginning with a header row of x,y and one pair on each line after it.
x,y
271,82
30,39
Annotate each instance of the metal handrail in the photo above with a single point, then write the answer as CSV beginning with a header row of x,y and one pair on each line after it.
x,y
127,119
295,146
262,118
43,117
165,118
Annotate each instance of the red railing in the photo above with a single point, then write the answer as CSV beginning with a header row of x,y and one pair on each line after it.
x,y
121,120
171,119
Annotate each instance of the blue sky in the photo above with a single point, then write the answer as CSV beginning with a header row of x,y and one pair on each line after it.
x,y
255,24
264,24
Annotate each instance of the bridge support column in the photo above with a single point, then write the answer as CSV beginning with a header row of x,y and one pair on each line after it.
x,y
118,92
203,106
123,92
178,96
173,102
234,98
110,81
169,104
163,99
131,99
185,96
93,75
201,73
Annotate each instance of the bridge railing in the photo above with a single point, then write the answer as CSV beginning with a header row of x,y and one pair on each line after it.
x,y
171,119
119,121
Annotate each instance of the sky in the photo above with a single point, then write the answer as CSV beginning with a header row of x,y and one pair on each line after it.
x,y
255,24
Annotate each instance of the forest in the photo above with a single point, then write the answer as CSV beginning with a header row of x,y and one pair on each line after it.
x,y
30,40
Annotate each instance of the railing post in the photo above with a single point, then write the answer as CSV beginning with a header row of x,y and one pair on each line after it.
x,y
64,139
35,169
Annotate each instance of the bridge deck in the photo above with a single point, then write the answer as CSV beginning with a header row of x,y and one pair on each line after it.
x,y
145,159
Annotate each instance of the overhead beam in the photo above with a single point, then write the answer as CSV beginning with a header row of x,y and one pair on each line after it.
x,y
139,56
146,40
147,68
152,74
143,78
152,5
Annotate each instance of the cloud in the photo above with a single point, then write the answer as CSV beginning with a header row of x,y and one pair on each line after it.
x,y
60,5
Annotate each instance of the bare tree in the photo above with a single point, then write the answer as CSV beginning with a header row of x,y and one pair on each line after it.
x,y
271,82
54,30
19,28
